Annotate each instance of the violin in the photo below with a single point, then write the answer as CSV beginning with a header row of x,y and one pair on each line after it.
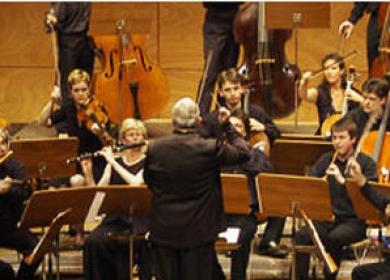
x,y
94,116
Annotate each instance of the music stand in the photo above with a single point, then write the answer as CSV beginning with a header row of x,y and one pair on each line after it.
x,y
297,16
285,195
235,193
46,156
122,199
297,156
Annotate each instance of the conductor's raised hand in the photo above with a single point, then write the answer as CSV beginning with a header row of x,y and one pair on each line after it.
x,y
223,115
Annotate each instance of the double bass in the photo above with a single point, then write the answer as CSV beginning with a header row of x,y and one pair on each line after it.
x,y
271,76
129,84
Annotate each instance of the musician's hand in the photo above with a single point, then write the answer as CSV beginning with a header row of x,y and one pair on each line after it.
x,y
86,167
5,185
107,153
354,96
333,170
306,76
355,172
95,128
256,125
55,93
346,28
223,115
51,19
387,210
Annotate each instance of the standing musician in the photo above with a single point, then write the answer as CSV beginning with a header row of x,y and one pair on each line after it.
x,y
346,228
183,173
231,89
71,21
105,258
375,93
257,163
377,271
329,95
373,31
12,197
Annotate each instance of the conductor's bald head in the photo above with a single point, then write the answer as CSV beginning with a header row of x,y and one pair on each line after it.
x,y
185,113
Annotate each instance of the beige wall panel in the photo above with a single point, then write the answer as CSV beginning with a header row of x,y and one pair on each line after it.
x,y
23,92
181,35
23,39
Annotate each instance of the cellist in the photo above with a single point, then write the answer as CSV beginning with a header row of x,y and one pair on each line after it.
x,y
375,93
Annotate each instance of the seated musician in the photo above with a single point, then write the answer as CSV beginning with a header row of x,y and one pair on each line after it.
x,y
12,197
231,89
375,92
89,131
6,271
329,95
257,163
377,271
105,258
346,228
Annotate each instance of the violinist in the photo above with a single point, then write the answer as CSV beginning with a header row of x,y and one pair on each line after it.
x,y
346,228
377,271
88,126
231,89
373,31
329,95
71,21
247,223
106,259
12,197
375,93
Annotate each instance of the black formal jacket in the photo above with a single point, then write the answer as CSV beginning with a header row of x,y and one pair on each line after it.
x,y
183,173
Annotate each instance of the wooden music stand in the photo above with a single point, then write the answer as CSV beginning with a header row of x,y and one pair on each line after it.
x,y
297,156
122,199
44,205
286,195
46,156
235,193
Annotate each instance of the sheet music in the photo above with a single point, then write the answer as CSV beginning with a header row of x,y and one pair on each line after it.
x,y
230,234
95,206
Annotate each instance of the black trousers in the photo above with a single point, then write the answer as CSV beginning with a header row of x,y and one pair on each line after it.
x,y
24,242
218,38
106,258
74,51
273,231
193,263
373,38
372,271
334,236
6,271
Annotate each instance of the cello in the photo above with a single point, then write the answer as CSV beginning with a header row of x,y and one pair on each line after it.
x,y
381,64
130,85
271,76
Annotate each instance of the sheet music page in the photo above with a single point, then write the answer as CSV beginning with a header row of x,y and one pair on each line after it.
x,y
230,234
95,206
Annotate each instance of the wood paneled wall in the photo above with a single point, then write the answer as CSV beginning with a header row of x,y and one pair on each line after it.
x,y
174,41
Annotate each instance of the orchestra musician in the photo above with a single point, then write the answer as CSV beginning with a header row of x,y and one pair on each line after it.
x,y
105,258
375,93
231,89
71,21
373,30
377,271
183,173
346,228
6,271
329,95
12,197
257,163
